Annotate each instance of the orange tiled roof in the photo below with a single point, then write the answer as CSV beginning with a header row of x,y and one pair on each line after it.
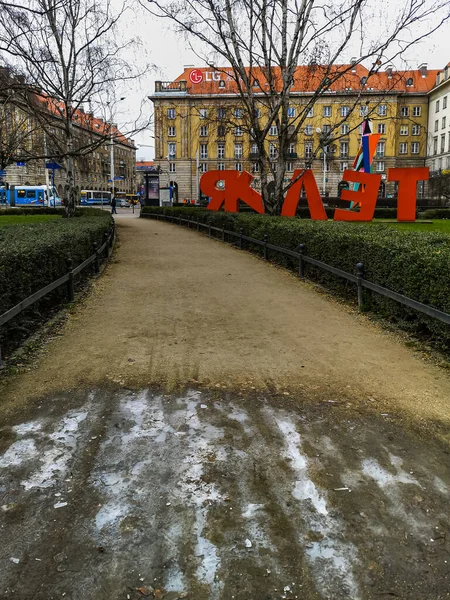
x,y
307,79
145,163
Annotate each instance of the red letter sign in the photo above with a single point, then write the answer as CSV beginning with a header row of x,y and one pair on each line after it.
x,y
236,187
406,195
306,180
365,196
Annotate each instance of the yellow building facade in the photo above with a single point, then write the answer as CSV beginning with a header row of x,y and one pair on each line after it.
x,y
203,127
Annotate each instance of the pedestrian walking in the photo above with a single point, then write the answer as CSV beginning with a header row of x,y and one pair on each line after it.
x,y
113,206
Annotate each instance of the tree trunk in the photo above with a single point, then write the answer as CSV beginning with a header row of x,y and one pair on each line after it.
x,y
69,190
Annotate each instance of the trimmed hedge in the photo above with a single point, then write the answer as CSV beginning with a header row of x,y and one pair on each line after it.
x,y
435,213
33,255
413,263
49,210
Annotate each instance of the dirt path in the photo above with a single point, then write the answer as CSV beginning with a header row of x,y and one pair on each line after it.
x,y
175,307
208,427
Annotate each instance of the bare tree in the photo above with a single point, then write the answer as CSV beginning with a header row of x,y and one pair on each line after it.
x,y
70,57
262,42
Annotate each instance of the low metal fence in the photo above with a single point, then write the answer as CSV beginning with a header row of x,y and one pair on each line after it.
x,y
68,279
303,259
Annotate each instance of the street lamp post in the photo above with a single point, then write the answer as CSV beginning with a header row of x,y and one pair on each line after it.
x,y
112,174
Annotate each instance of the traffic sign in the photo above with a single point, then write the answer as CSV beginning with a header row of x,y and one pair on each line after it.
x,y
52,165
21,164
2,173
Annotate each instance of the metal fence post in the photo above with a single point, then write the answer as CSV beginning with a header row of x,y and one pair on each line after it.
x,y
111,237
266,237
189,221
241,241
301,265
209,229
179,222
105,240
70,288
198,224
97,259
223,234
360,276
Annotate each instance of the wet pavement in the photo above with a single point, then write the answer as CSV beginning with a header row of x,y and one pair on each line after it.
x,y
127,495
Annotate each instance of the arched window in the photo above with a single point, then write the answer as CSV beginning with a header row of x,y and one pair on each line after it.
x,y
221,84
255,83
409,82
363,81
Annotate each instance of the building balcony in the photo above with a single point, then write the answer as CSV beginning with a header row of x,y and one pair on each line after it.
x,y
170,86
253,156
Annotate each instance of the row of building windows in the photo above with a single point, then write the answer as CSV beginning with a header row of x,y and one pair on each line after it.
x,y
292,111
308,149
443,123
440,147
444,104
308,130
440,163
203,167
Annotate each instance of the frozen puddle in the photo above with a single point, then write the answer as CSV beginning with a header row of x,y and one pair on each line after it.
x,y
220,499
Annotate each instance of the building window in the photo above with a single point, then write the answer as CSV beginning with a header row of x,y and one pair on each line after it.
x,y
404,130
273,166
345,111
203,167
308,130
238,113
273,130
221,113
238,166
364,110
436,125
437,106
403,148
257,113
415,148
310,112
221,131
255,83
238,151
326,129
291,112
444,102
172,150
343,149
291,148
381,148
382,110
221,150
221,83
417,111
382,128
435,145
254,149
172,167
442,143
171,132
345,129
415,130
171,113
238,131
308,149
273,152
409,82
327,111
203,113
343,166
444,123
204,130
255,167
380,167
404,111
221,166
203,150
289,167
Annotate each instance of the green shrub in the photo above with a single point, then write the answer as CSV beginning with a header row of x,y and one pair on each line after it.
x,y
413,263
81,211
32,255
435,213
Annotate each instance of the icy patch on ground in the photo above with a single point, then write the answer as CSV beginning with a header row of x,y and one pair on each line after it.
x,y
331,558
372,468
52,452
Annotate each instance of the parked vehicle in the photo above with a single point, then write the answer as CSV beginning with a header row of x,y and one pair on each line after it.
x,y
95,197
29,195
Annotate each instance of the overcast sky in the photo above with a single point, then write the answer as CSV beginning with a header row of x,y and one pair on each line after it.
x,y
169,54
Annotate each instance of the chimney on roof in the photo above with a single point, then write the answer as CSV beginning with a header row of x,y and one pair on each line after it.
x,y
423,68
353,62
389,69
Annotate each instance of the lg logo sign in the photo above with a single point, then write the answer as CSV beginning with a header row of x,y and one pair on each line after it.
x,y
196,76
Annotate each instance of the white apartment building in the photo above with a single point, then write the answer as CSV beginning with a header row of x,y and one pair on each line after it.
x,y
438,154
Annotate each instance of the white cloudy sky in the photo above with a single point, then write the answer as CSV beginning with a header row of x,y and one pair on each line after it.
x,y
169,53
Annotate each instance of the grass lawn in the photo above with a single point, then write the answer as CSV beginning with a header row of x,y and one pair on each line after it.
x,y
442,226
20,219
